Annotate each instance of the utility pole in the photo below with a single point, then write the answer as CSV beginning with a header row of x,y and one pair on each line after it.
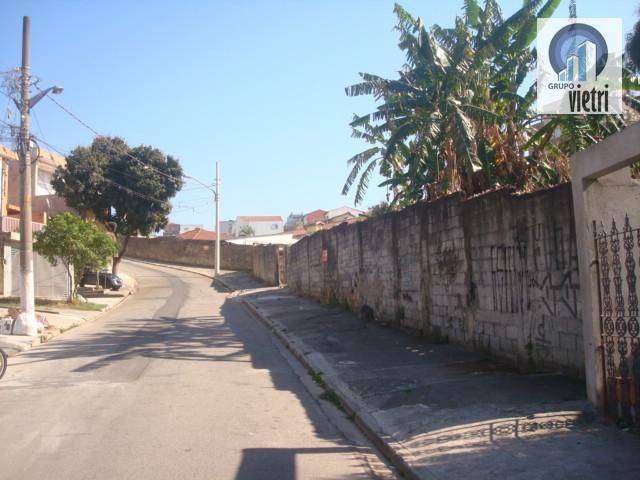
x,y
217,218
27,287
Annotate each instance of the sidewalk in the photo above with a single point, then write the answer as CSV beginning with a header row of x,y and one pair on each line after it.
x,y
63,319
439,411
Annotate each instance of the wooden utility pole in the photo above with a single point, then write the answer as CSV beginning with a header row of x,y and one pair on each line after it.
x,y
217,218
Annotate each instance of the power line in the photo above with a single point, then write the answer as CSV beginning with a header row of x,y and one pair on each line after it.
x,y
96,133
70,113
133,192
116,184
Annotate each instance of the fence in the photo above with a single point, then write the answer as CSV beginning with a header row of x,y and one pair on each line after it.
x,y
51,281
618,254
11,224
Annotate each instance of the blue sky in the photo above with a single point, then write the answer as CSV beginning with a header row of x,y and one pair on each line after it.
x,y
255,85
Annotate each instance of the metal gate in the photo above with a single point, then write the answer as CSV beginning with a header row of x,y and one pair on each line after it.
x,y
51,281
618,261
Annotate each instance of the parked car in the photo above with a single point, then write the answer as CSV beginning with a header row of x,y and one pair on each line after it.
x,y
104,279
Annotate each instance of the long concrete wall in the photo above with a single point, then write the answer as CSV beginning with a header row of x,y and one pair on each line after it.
x,y
200,253
265,264
496,273
260,260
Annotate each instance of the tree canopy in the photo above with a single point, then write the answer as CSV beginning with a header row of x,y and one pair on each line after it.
x,y
126,189
247,231
460,117
77,243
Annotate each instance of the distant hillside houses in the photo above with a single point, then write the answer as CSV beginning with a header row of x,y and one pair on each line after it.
x,y
258,224
270,229
175,229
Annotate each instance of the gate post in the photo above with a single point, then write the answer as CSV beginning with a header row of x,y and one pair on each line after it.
x,y
614,153
588,269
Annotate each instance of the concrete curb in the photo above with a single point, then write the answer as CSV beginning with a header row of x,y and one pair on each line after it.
x,y
357,411
219,281
169,265
41,339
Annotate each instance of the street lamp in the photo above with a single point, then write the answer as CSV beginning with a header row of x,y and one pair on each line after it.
x,y
39,96
27,285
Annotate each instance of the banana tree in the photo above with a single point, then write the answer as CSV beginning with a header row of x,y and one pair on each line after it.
x,y
453,119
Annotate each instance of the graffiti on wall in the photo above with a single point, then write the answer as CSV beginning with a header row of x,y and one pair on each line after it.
x,y
536,273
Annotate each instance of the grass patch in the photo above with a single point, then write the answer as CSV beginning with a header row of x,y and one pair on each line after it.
x,y
41,302
328,395
66,329
333,398
94,307
317,377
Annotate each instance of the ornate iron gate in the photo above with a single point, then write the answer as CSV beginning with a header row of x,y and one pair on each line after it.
x,y
618,256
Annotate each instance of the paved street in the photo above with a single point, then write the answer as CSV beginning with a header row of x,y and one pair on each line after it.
x,y
178,382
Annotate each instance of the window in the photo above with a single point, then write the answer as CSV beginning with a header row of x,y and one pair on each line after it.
x,y
274,226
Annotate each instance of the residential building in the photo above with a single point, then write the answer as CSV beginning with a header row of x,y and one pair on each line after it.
x,y
314,218
51,281
284,238
174,229
340,214
226,227
294,221
261,225
45,203
324,219
200,234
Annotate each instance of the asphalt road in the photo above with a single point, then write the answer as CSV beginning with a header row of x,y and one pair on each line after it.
x,y
179,382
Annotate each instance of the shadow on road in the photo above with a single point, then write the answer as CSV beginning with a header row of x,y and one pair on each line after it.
x,y
130,338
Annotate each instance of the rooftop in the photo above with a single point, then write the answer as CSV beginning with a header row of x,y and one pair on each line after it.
x,y
46,157
260,218
200,234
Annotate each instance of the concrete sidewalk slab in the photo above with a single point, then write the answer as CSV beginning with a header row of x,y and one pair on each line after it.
x,y
439,411
61,320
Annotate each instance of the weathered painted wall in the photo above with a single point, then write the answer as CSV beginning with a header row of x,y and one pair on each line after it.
x,y
199,253
496,273
51,281
261,260
265,263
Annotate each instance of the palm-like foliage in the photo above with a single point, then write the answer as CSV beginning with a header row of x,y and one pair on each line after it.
x,y
459,116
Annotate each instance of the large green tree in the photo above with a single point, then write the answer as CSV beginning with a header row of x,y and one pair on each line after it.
x,y
126,189
75,242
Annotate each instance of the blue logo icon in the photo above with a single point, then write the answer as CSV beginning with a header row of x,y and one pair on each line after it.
x,y
578,53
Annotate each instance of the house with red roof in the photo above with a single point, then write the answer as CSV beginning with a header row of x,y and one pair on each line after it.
x,y
314,218
201,234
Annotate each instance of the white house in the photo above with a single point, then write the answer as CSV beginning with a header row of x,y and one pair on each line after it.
x,y
284,238
342,213
261,225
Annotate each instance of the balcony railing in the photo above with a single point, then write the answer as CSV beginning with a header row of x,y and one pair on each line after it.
x,y
11,224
